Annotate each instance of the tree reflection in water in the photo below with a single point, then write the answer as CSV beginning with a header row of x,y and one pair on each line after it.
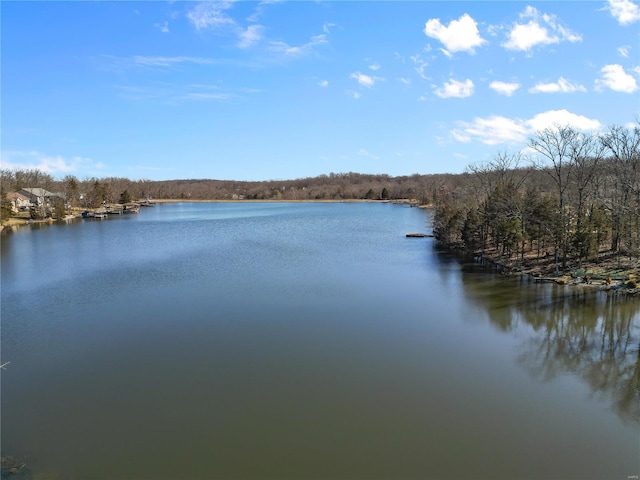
x,y
592,334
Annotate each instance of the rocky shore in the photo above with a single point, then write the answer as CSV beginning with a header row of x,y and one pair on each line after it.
x,y
606,272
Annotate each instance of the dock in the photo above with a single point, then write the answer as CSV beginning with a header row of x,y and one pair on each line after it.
x,y
111,209
419,235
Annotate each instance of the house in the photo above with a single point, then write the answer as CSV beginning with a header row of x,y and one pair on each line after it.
x,y
39,197
19,202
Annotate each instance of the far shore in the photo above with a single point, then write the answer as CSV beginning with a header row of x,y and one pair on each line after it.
x,y
403,201
189,200
20,221
309,200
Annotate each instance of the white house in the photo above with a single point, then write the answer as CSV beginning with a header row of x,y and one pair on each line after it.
x,y
19,202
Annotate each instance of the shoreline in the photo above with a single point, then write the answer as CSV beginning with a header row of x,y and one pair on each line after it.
x,y
591,275
12,222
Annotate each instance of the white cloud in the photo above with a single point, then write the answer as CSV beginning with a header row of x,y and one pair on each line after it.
x,y
323,83
210,15
456,89
327,26
523,37
51,164
420,66
374,66
460,136
364,80
298,51
260,8
624,51
504,88
496,129
615,78
405,81
624,11
562,85
353,94
250,36
460,36
213,15
562,117
541,29
163,27
492,130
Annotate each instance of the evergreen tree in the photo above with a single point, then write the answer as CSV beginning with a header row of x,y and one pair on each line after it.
x,y
125,197
5,205
59,210
72,190
472,231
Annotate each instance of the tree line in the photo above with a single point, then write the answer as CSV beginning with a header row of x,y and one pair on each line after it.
x,y
571,195
93,192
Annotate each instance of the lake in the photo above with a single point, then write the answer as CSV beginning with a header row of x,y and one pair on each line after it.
x,y
303,341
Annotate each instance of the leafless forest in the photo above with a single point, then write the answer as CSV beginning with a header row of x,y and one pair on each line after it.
x,y
572,198
92,192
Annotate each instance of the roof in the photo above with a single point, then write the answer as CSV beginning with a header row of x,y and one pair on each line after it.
x,y
13,195
38,192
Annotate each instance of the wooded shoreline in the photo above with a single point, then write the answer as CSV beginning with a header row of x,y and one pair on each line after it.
x,y
568,210
602,275
570,214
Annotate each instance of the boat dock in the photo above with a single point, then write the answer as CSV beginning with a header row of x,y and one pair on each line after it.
x,y
111,209
419,235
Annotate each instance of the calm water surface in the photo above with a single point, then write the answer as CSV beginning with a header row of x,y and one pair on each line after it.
x,y
302,341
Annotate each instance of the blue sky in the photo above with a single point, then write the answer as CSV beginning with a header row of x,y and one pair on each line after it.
x,y
282,90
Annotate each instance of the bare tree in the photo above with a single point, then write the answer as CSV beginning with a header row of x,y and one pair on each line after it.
x,y
560,145
587,153
623,199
